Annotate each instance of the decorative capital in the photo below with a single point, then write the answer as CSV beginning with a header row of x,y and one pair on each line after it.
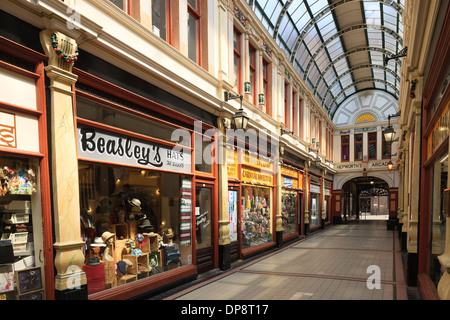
x,y
61,50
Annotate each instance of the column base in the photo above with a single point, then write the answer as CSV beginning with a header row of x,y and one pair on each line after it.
x,y
225,256
80,293
279,238
404,236
412,260
399,229
306,229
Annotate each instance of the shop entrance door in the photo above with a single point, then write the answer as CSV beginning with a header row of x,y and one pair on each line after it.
x,y
204,227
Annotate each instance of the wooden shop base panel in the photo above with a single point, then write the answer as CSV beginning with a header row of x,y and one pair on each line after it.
x,y
136,287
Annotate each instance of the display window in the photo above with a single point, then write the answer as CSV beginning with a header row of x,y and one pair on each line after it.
x,y
135,223
21,232
290,199
289,205
256,216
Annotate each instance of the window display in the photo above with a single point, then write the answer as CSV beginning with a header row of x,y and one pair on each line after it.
x,y
19,224
289,207
256,216
135,223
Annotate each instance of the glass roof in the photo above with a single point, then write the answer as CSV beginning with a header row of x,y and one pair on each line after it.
x,y
338,46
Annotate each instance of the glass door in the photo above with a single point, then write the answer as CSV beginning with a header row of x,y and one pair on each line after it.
x,y
204,227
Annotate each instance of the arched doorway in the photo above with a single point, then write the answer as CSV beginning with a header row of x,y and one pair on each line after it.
x,y
365,198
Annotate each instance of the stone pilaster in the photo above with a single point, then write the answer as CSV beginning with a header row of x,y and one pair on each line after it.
x,y
70,280
413,221
306,206
278,215
224,220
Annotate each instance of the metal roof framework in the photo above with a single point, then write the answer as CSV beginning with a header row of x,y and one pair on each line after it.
x,y
338,46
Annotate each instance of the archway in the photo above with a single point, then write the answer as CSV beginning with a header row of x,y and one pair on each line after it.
x,y
365,198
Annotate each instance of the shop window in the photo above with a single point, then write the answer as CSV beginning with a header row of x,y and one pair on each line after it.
x,y
193,28
386,148
160,19
256,222
289,209
135,221
21,234
204,154
345,149
237,59
358,147
372,145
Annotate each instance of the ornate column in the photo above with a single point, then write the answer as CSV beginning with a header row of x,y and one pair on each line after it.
x,y
224,220
306,223
406,179
70,280
278,215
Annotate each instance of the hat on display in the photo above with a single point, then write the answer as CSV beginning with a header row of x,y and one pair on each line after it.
x,y
98,242
135,203
107,235
145,226
122,267
139,238
93,262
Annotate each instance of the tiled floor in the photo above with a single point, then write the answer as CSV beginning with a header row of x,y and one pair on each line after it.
x,y
333,264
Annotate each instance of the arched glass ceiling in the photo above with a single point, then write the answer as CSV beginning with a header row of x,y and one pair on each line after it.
x,y
338,46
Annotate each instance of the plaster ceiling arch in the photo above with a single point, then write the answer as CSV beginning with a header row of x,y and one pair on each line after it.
x,y
374,102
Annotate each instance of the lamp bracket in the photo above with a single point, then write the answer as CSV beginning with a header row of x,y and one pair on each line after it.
x,y
229,96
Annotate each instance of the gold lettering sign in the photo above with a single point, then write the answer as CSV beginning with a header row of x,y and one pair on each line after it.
x,y
256,176
256,161
300,181
232,166
290,172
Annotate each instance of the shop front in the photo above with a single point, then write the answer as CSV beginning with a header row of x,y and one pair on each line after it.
x,y
291,201
251,179
148,204
26,254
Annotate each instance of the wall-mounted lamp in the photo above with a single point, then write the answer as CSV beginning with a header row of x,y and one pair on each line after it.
x,y
240,118
390,165
389,132
401,54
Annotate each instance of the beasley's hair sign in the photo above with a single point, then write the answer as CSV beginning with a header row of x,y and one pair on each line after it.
x,y
107,147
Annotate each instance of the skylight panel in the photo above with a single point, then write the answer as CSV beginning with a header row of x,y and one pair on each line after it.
x,y
346,80
317,5
322,60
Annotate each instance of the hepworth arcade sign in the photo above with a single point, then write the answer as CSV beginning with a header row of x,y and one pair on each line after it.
x,y
359,165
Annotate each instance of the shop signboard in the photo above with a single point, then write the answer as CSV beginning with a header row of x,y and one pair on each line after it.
x,y
103,146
